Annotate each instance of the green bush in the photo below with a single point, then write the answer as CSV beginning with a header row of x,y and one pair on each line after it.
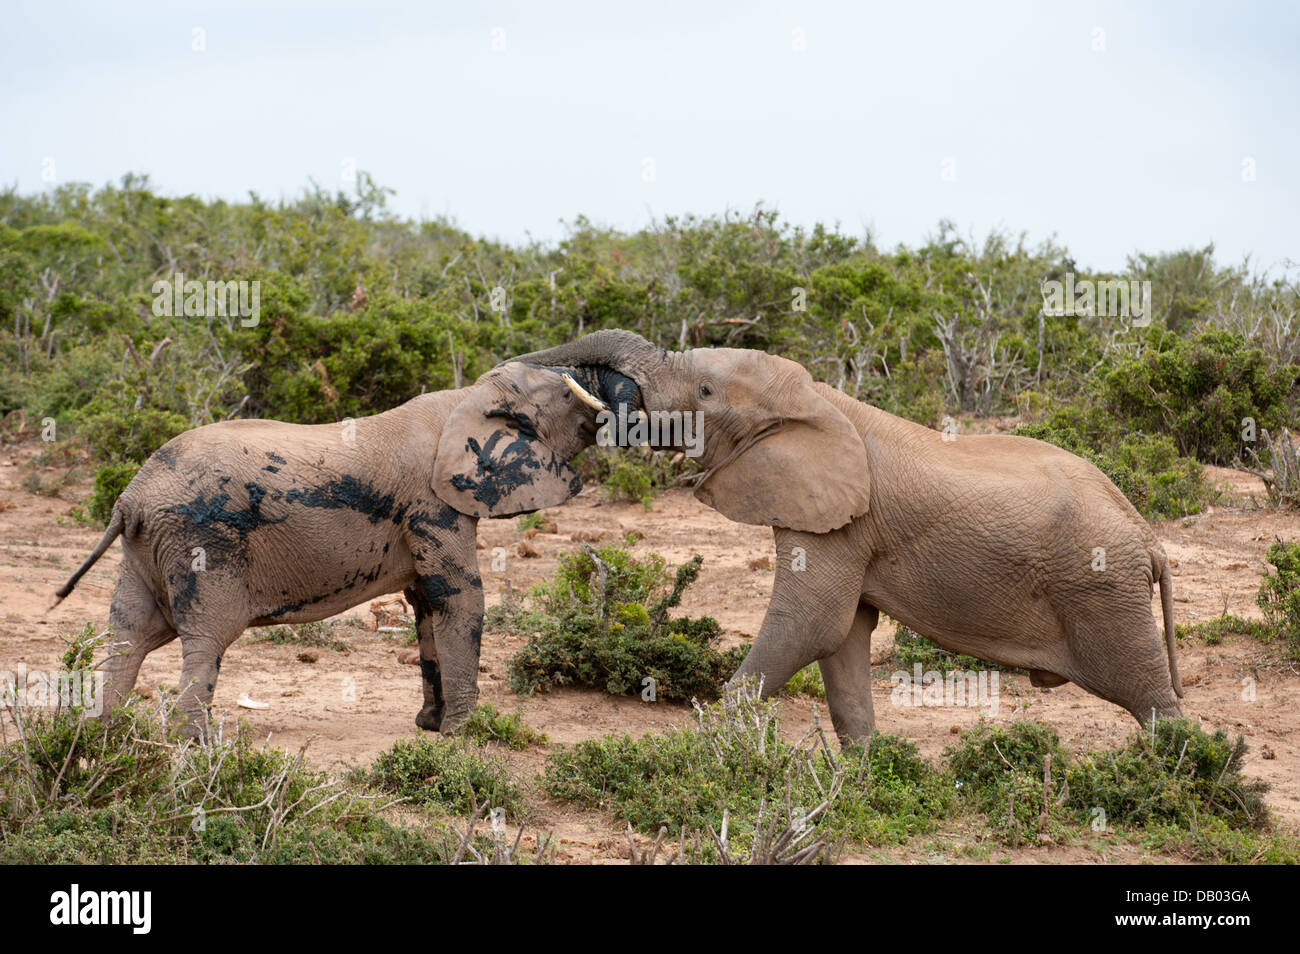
x,y
1279,595
632,474
1174,785
1000,772
110,481
1200,392
736,761
451,774
807,682
616,634
127,436
1177,774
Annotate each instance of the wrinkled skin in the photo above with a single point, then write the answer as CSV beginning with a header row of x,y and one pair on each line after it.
x,y
987,545
253,523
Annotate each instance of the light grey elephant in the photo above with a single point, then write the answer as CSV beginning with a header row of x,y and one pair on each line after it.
x,y
1002,547
251,523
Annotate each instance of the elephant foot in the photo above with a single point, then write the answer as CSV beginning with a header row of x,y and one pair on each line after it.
x,y
190,727
430,718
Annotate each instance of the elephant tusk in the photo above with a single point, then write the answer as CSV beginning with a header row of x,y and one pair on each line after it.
x,y
587,399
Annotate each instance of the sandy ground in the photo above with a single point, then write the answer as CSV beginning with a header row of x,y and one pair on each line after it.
x,y
351,705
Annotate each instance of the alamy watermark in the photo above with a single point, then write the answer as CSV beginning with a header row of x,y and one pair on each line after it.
x,y
625,428
37,689
195,299
933,689
1111,298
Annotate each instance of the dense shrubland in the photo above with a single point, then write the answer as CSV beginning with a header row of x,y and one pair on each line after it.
x,y
360,310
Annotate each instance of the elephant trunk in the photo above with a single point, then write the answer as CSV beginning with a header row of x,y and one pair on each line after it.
x,y
612,365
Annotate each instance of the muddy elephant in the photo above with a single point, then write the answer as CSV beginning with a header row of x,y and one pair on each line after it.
x,y
1001,547
257,522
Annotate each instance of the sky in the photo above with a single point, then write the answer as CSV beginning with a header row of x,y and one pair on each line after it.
x,y
1110,127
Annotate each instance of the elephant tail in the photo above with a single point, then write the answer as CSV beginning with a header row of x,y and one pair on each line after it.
x,y
114,530
1167,603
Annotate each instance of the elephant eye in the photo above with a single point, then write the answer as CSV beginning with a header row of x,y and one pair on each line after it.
x,y
706,391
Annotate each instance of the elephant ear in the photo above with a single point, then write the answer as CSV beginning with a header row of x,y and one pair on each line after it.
x,y
809,474
505,448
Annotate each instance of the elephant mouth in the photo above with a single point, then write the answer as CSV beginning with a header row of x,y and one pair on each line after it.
x,y
600,383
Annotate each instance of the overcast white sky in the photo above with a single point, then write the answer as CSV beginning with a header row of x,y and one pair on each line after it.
x,y
1139,145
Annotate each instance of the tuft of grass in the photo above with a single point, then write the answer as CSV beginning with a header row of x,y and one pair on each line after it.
x,y
486,725
1217,630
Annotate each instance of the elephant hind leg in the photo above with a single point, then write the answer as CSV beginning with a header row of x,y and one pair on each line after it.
x,y
1124,661
208,625
139,628
847,675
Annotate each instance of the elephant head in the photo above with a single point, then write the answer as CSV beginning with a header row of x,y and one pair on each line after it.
x,y
764,422
505,448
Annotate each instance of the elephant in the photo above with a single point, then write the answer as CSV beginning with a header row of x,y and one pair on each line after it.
x,y
259,522
1001,547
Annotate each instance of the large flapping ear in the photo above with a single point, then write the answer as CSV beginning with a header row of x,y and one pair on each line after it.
x,y
810,473
505,448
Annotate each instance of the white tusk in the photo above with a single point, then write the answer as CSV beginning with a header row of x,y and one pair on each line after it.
x,y
583,396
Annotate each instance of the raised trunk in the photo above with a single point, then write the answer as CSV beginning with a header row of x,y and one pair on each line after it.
x,y
613,365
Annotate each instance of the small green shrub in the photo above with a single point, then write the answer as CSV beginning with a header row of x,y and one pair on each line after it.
x,y
603,623
451,774
1000,772
486,724
531,521
1279,595
1176,774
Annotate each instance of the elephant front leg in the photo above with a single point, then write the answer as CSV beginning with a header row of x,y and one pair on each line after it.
x,y
449,614
810,612
847,675
430,714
